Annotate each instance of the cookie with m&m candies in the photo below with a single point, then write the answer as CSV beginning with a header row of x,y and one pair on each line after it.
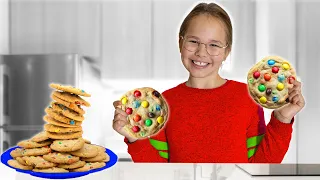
x,y
147,112
269,80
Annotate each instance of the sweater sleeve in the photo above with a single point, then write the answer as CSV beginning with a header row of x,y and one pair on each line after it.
x,y
154,149
267,144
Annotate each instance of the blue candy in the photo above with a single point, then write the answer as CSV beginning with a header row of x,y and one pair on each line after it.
x,y
158,108
275,99
271,62
281,78
136,104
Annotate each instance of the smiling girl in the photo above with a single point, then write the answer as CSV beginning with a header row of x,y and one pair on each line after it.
x,y
213,119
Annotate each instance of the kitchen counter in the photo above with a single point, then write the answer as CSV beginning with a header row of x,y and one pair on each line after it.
x,y
131,171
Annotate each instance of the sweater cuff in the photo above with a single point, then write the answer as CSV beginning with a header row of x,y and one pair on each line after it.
x,y
135,147
279,126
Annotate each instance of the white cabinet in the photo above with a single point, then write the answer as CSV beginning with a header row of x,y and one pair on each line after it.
x,y
4,27
55,27
126,41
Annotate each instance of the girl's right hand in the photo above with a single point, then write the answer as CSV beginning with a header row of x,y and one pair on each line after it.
x,y
120,120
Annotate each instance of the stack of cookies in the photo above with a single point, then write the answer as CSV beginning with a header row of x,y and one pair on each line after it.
x,y
60,147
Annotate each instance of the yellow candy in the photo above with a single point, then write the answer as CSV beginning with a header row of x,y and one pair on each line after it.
x,y
59,154
285,66
145,104
57,130
263,99
124,100
280,86
160,119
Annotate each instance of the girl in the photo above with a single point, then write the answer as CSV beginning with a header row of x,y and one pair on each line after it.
x,y
213,119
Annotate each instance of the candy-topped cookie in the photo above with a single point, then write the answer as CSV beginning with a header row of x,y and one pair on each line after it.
x,y
70,89
147,112
269,80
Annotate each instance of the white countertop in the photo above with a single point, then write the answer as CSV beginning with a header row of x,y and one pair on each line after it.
x,y
131,171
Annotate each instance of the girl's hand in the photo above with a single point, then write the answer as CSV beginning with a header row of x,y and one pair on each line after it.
x,y
120,120
296,103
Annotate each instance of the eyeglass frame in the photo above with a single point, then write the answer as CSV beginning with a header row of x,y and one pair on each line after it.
x,y
205,45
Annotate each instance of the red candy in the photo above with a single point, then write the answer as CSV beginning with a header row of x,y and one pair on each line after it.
x,y
137,118
267,77
291,77
137,93
135,129
129,110
256,74
275,69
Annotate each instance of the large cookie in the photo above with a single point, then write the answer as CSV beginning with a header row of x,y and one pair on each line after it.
x,y
75,165
67,145
59,129
73,135
87,151
41,136
147,112
89,166
72,106
16,164
269,80
72,98
66,111
28,144
101,156
59,117
69,89
51,170
30,152
38,162
50,120
21,161
61,158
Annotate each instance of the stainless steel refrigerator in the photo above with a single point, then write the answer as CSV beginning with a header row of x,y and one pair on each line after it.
x,y
25,91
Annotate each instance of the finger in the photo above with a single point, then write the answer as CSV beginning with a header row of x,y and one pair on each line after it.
x,y
292,94
295,83
120,111
301,101
119,117
116,103
295,99
119,123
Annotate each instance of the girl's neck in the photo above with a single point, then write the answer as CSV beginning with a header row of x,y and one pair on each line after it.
x,y
205,83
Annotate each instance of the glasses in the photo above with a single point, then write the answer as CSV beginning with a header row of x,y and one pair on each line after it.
x,y
192,44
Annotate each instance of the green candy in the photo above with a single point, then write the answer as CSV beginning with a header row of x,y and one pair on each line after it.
x,y
261,88
251,80
148,122
142,133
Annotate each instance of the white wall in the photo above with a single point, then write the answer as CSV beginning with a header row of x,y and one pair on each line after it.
x,y
4,26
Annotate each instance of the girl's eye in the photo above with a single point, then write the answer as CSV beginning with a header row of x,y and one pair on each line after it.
x,y
193,41
214,45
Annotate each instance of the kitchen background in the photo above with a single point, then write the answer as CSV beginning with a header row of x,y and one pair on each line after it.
x,y
120,45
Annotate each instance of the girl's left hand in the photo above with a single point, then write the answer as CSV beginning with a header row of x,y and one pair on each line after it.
x,y
296,103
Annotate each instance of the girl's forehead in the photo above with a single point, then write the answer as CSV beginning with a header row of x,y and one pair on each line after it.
x,y
206,27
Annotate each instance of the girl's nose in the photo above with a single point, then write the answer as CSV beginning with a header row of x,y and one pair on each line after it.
x,y
201,51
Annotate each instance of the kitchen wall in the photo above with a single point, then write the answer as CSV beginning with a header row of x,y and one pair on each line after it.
x,y
127,40
4,26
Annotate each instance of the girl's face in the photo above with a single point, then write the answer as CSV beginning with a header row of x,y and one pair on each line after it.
x,y
207,30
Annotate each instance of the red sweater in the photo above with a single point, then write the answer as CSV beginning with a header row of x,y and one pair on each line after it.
x,y
220,125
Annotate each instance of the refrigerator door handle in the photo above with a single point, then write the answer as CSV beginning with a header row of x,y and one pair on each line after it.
x,y
4,93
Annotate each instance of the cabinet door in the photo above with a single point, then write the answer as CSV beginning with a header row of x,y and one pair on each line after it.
x,y
60,26
168,16
26,26
126,45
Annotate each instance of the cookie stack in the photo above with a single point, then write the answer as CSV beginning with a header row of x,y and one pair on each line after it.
x,y
60,147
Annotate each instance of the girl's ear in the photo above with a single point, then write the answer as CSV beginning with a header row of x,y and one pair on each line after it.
x,y
180,41
228,50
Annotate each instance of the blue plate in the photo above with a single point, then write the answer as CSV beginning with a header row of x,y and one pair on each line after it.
x,y
6,156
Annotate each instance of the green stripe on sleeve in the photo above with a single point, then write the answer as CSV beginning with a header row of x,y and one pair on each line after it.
x,y
164,154
159,145
251,152
254,141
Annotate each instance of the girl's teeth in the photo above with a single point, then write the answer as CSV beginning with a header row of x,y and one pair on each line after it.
x,y
200,63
